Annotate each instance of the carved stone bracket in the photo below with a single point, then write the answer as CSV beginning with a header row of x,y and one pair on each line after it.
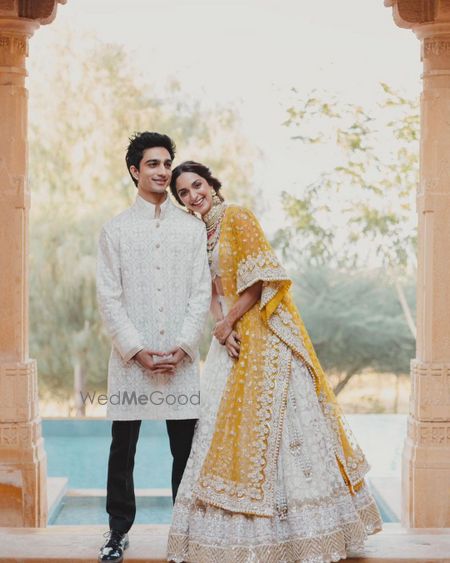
x,y
429,434
42,11
14,35
13,43
435,47
18,391
18,441
430,393
408,13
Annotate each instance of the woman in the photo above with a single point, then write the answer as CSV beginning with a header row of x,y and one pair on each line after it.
x,y
274,473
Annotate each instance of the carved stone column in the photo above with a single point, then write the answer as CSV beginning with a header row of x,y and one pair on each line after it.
x,y
426,456
23,500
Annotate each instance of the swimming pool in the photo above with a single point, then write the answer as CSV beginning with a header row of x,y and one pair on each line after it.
x,y
91,510
78,449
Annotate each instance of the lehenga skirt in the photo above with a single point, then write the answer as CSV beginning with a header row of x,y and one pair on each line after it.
x,y
316,518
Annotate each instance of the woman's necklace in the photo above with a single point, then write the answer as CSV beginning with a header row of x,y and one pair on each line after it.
x,y
213,221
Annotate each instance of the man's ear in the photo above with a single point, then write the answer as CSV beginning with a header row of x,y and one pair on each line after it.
x,y
134,172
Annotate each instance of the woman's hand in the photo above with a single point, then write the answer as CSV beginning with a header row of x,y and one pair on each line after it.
x,y
222,330
233,344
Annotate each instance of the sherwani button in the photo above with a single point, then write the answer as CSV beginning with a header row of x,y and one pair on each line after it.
x,y
158,245
161,332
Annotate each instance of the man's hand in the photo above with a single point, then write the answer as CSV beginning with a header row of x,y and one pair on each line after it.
x,y
222,330
178,354
145,359
233,344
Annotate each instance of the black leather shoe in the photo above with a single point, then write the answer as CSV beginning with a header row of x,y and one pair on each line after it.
x,y
114,546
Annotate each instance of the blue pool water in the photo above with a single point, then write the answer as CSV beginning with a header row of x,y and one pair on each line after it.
x,y
92,510
78,449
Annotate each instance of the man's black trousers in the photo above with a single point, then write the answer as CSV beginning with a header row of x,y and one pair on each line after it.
x,y
120,498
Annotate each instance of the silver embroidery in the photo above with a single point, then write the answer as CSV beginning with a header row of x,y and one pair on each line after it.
x,y
314,520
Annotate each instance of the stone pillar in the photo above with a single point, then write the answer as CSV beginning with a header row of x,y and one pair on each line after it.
x,y
22,456
426,455
23,499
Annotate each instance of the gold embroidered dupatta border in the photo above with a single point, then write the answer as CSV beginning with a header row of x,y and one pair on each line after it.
x,y
239,471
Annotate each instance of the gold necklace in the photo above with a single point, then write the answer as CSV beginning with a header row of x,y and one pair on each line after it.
x,y
213,221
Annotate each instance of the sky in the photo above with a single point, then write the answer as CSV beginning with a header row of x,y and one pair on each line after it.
x,y
252,53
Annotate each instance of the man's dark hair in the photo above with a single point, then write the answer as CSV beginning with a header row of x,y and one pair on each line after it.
x,y
198,168
139,142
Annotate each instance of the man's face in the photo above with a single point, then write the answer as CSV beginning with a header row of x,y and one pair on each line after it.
x,y
155,171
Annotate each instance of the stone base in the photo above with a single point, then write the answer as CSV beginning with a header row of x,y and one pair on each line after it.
x,y
23,474
62,544
426,475
23,494
23,463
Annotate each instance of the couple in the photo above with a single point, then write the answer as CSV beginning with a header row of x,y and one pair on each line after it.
x,y
270,472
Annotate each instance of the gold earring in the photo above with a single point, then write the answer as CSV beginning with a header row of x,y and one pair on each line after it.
x,y
215,198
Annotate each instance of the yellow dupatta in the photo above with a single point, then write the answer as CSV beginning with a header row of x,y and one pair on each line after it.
x,y
239,471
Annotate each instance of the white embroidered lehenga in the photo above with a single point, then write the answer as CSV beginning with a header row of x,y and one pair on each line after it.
x,y
316,519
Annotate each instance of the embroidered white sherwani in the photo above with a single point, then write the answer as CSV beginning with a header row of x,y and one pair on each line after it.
x,y
154,291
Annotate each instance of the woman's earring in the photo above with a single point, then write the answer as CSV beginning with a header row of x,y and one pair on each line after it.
x,y
215,198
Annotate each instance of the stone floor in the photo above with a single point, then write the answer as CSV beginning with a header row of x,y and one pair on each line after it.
x,y
79,544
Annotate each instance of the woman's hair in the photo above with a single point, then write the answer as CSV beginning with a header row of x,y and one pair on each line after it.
x,y
196,168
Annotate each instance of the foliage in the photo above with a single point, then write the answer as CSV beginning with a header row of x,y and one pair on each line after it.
x,y
360,211
355,321
357,215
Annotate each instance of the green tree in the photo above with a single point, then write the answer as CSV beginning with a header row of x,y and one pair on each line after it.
x,y
359,213
355,321
78,178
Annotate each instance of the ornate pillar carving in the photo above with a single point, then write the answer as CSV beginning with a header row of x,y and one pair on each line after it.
x,y
426,455
23,500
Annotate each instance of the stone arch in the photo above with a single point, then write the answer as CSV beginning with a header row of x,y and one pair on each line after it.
x,y
426,460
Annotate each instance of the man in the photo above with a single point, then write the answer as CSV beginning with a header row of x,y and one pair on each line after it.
x,y
153,287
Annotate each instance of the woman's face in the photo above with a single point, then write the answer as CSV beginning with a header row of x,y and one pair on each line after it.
x,y
195,192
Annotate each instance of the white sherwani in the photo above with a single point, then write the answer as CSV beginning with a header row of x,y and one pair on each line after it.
x,y
154,291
